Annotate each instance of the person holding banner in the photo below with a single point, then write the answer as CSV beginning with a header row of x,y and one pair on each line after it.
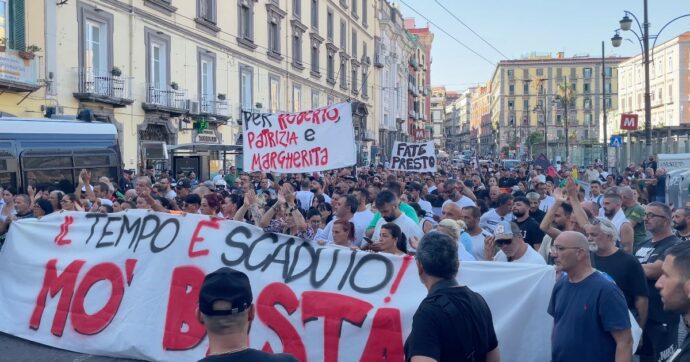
x,y
226,311
453,323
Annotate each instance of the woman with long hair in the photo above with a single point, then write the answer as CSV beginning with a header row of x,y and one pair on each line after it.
x,y
391,240
211,205
343,233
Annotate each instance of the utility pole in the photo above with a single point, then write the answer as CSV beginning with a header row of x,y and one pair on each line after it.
x,y
565,100
603,107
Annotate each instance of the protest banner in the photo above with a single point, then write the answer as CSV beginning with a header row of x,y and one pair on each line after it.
x,y
413,157
315,140
126,285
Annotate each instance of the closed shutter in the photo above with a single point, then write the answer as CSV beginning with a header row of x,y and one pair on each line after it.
x,y
17,38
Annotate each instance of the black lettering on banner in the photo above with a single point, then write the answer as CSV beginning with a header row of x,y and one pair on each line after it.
x,y
176,224
233,243
101,243
94,215
309,134
312,278
362,261
143,234
132,229
291,276
267,236
256,119
347,272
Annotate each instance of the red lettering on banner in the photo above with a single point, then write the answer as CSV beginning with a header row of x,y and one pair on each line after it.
x,y
54,284
197,239
182,303
272,295
385,341
335,308
271,139
282,160
314,116
64,229
88,324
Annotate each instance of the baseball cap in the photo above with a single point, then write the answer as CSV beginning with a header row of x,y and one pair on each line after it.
x,y
225,284
183,184
506,230
414,186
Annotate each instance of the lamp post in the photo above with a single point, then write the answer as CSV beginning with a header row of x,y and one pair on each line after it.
x,y
616,40
564,100
603,98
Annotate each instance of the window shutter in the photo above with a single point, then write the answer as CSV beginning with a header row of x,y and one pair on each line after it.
x,y
17,30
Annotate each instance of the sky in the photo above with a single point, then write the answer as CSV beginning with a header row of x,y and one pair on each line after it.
x,y
519,27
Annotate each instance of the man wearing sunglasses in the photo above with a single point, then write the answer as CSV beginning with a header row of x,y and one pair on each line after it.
x,y
508,238
660,334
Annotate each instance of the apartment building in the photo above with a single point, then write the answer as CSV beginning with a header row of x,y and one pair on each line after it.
x,y
543,92
179,72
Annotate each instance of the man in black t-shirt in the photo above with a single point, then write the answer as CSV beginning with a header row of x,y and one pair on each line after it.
x,y
624,268
226,311
452,323
529,227
660,334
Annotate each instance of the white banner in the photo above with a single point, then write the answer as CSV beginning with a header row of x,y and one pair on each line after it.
x,y
413,157
126,285
315,140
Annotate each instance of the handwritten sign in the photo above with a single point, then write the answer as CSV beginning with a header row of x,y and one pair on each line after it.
x,y
126,285
413,157
316,140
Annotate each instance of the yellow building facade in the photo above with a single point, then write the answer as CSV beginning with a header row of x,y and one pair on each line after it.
x,y
537,95
179,72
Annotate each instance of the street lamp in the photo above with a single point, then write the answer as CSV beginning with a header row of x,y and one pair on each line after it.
x,y
564,100
616,40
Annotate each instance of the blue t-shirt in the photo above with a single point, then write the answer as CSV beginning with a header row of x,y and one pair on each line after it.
x,y
585,314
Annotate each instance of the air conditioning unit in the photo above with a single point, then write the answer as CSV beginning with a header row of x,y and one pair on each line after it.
x,y
192,106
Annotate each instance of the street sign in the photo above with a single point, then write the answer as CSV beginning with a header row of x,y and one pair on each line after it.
x,y
629,121
616,141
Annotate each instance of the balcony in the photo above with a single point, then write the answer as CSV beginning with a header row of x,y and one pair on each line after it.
x,y
378,60
103,87
164,100
18,74
413,63
368,136
211,107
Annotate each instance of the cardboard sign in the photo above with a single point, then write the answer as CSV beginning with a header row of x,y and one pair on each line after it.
x,y
413,157
315,140
629,121
127,284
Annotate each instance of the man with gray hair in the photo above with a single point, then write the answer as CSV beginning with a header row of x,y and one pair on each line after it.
x,y
603,325
453,323
624,268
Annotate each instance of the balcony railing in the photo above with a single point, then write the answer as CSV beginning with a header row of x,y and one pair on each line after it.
x,y
213,107
103,87
165,97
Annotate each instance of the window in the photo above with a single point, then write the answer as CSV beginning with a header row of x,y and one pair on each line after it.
x,y
158,56
206,76
274,93
587,72
297,48
296,98
608,87
4,19
511,89
525,87
364,13
353,79
330,100
608,71
525,105
343,36
588,104
354,9
330,66
670,63
274,34
511,105
609,104
96,47
511,73
343,73
586,88
314,14
588,119
206,10
365,81
245,23
315,55
314,99
540,71
247,87
297,8
329,25
354,43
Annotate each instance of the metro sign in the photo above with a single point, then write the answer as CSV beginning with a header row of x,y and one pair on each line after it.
x,y
629,121
420,134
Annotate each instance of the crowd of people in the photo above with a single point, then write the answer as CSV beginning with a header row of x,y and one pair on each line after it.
x,y
594,227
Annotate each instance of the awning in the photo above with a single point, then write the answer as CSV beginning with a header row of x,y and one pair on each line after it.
x,y
202,147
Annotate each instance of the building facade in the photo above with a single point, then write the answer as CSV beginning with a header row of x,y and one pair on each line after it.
x,y
421,65
482,133
669,75
394,47
533,98
179,72
438,115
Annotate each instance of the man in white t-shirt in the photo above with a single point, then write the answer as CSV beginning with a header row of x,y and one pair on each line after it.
x,y
502,212
545,201
508,238
389,207
304,196
363,216
458,193
471,216
612,209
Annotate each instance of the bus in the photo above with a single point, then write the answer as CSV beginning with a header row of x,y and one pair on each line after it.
x,y
45,152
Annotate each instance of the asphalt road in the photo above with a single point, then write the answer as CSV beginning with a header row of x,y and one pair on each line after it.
x,y
20,350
